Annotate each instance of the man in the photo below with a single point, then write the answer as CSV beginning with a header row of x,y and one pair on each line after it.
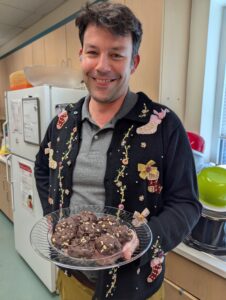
x,y
120,149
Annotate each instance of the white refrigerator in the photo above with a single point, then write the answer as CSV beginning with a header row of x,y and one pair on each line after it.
x,y
29,111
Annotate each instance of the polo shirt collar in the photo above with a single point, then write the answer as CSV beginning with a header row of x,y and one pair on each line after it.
x,y
129,102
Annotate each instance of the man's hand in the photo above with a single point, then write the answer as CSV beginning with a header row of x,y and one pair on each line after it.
x,y
127,252
130,247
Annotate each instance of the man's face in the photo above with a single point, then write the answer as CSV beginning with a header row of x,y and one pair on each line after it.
x,y
107,64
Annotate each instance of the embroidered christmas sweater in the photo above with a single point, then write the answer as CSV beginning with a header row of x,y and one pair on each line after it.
x,y
149,166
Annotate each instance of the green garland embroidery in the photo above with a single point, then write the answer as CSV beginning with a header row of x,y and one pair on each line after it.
x,y
122,187
113,282
73,137
121,171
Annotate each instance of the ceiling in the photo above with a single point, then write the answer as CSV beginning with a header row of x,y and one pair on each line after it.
x,y
18,15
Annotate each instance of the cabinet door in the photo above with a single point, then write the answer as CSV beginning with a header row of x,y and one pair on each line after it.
x,y
174,292
73,46
196,280
3,87
3,190
55,47
119,1
146,77
38,52
19,59
5,193
23,58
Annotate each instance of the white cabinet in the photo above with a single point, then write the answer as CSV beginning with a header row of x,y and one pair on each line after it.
x,y
5,193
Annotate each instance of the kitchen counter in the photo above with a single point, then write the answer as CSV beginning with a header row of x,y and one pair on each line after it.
x,y
215,264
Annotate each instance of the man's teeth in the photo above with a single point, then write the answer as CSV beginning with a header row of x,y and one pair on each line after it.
x,y
104,80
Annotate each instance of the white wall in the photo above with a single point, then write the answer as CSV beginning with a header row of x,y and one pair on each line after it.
x,y
196,64
175,43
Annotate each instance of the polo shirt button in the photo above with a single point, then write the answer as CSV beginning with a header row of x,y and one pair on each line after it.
x,y
95,137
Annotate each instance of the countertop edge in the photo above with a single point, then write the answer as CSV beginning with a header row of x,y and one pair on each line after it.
x,y
205,260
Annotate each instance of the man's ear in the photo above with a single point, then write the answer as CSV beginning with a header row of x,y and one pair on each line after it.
x,y
135,62
80,54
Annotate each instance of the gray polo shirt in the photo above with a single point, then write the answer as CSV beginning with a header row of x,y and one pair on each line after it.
x,y
89,171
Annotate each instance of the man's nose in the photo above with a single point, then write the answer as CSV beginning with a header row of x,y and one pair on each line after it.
x,y
103,64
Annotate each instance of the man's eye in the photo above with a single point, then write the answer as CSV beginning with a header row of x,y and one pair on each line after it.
x,y
91,53
116,56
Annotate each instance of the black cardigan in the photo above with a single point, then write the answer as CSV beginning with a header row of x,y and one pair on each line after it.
x,y
149,165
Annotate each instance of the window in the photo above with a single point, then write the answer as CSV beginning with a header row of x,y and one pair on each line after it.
x,y
218,147
222,148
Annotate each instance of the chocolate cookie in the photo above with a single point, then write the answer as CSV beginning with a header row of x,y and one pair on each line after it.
x,y
85,235
107,244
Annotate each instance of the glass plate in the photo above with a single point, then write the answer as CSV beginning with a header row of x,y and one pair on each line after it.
x,y
41,233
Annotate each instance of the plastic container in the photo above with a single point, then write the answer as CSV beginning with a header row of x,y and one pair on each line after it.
x,y
54,75
197,142
212,188
17,80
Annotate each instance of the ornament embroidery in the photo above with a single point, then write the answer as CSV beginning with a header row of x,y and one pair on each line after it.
x,y
150,172
144,111
156,262
67,192
50,200
52,162
46,150
62,119
154,186
140,218
143,145
152,125
49,151
156,268
141,198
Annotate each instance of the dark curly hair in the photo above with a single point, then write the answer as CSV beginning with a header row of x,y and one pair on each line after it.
x,y
115,17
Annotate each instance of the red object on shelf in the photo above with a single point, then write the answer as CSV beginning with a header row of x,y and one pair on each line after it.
x,y
197,142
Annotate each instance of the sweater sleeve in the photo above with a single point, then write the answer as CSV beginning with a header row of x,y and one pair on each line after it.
x,y
42,172
181,208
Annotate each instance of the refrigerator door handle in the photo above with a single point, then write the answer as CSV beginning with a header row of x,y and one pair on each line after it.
x,y
4,128
7,168
5,137
9,178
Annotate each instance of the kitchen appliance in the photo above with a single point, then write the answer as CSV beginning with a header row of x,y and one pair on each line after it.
x,y
210,232
209,235
29,111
